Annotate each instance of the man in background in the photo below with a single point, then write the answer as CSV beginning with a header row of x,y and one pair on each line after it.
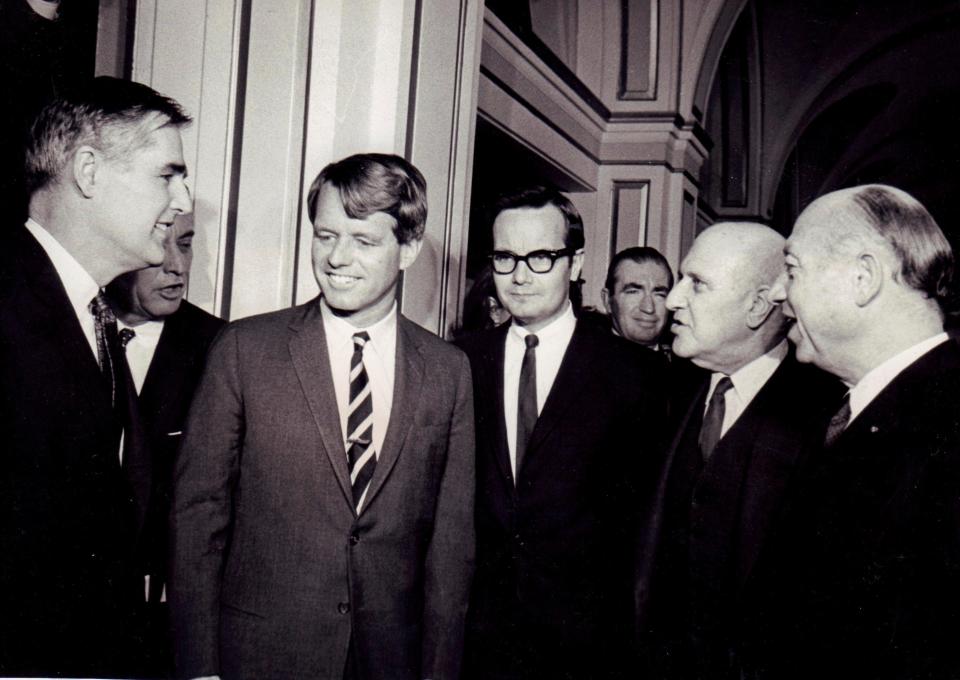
x,y
105,172
165,339
635,294
737,448
568,424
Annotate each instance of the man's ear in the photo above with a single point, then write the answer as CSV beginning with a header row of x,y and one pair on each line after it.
x,y
409,252
86,164
868,278
761,307
605,298
576,265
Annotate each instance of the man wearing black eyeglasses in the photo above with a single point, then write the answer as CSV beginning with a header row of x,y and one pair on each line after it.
x,y
568,421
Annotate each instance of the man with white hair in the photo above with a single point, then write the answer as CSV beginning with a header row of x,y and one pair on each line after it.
x,y
735,453
865,580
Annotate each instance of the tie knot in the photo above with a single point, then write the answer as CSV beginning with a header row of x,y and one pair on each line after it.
x,y
724,385
531,340
126,335
359,340
100,309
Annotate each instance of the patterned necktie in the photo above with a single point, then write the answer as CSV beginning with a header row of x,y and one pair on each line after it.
x,y
361,457
713,419
105,328
526,398
126,335
838,423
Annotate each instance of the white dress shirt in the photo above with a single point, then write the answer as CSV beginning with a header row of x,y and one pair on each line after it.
x,y
747,381
873,382
141,348
553,341
379,360
80,286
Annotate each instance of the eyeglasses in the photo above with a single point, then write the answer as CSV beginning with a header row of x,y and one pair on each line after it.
x,y
538,261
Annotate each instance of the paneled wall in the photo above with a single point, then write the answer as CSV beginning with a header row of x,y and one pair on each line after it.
x,y
278,90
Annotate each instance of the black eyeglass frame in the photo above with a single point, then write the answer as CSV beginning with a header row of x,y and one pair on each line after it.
x,y
554,255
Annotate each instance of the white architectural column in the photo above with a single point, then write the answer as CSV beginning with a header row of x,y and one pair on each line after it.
x,y
280,89
399,76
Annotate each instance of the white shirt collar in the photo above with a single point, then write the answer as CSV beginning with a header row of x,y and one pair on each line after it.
x,y
339,330
80,286
747,382
561,327
877,379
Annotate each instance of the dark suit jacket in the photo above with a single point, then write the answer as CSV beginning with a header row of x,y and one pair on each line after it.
x,y
274,574
864,579
69,525
688,604
168,388
171,379
552,588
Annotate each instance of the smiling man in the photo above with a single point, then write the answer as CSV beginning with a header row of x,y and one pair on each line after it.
x,y
568,429
106,174
730,463
635,295
323,498
866,581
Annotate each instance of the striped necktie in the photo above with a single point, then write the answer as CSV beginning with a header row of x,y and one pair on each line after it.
x,y
361,457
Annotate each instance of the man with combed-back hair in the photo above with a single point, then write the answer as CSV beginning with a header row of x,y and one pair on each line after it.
x,y
864,580
323,497
569,422
106,174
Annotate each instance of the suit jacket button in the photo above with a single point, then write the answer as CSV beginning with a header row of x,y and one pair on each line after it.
x,y
343,607
354,539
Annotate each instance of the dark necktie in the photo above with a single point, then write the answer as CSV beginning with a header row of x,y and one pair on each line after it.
x,y
527,398
361,457
713,419
111,345
838,423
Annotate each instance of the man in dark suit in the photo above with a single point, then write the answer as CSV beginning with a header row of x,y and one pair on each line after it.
x,y
165,340
865,578
568,420
106,174
739,441
323,497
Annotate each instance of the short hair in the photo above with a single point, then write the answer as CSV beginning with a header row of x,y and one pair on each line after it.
x,y
640,255
925,256
113,115
375,182
539,196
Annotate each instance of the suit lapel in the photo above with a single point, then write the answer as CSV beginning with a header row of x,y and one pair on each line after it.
x,y
492,379
573,375
48,293
308,351
407,386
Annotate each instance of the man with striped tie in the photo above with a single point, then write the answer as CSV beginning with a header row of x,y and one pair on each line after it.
x,y
323,498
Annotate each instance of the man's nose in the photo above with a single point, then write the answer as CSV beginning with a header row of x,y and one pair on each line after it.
x,y
180,199
521,273
674,297
646,303
341,254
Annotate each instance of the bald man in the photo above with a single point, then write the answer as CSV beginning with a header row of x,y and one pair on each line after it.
x,y
865,574
734,454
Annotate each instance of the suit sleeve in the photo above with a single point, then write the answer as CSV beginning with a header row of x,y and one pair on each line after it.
x,y
204,477
449,563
